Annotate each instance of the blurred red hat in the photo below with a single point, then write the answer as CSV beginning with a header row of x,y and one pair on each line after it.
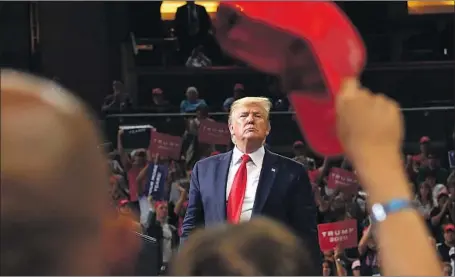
x,y
298,143
449,227
239,86
157,91
123,202
425,139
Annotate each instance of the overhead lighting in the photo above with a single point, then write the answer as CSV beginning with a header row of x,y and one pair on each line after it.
x,y
168,8
430,7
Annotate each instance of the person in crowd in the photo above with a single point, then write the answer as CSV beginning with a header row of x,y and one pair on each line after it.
x,y
195,150
432,166
260,247
283,191
447,269
441,215
369,258
421,159
327,268
198,59
159,102
192,25
239,92
54,203
192,101
356,268
133,165
448,243
126,211
119,100
158,227
424,200
181,205
300,156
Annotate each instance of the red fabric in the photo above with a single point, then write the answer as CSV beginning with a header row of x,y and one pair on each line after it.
x,y
333,50
237,194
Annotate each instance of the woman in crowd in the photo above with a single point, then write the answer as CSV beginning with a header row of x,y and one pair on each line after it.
x,y
424,200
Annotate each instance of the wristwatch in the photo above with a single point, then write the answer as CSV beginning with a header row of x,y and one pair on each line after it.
x,y
379,212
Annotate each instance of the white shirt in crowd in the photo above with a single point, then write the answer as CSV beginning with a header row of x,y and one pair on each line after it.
x,y
253,167
167,243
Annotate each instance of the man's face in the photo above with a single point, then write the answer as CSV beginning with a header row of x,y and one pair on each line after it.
x,y
158,98
139,158
238,93
191,95
431,181
326,269
249,123
442,200
449,236
424,147
162,211
117,87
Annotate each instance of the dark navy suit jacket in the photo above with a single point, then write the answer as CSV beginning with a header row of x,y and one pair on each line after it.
x,y
284,193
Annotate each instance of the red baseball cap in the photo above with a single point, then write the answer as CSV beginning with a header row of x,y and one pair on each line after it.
x,y
424,139
312,46
449,227
157,91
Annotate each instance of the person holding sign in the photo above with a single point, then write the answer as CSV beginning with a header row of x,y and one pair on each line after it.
x,y
251,180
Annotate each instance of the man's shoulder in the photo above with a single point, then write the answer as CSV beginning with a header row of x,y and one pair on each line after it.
x,y
288,162
212,159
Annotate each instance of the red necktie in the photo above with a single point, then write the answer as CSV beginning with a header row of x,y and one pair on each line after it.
x,y
237,194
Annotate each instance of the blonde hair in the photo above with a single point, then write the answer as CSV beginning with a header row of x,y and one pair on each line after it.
x,y
262,102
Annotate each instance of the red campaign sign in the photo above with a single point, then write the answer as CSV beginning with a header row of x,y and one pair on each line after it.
x,y
165,145
340,233
339,177
213,132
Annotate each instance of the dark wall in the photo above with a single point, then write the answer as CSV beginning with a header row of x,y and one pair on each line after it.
x,y
14,35
74,47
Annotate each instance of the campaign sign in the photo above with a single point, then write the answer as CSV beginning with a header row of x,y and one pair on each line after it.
x,y
157,175
213,132
136,136
339,177
166,146
340,233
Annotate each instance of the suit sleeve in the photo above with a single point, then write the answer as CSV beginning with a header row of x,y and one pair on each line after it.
x,y
303,214
194,212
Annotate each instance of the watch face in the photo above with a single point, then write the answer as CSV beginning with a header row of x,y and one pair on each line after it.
x,y
378,212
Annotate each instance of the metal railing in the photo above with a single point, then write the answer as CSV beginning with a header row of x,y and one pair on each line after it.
x,y
118,115
435,122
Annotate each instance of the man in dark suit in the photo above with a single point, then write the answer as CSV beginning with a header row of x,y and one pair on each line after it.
x,y
252,181
192,25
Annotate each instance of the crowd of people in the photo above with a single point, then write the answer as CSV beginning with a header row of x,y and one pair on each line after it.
x,y
56,217
432,184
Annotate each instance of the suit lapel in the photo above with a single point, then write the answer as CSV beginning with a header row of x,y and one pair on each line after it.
x,y
266,179
221,178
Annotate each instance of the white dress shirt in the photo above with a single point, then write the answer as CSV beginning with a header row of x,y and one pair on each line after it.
x,y
253,169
